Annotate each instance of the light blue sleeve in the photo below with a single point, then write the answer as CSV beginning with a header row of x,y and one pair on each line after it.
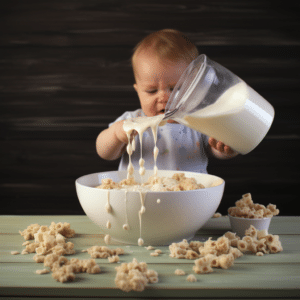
x,y
128,115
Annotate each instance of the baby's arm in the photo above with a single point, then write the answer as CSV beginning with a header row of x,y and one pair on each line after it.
x,y
220,150
111,142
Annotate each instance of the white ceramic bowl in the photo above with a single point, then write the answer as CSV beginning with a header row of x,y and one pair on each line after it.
x,y
177,216
240,225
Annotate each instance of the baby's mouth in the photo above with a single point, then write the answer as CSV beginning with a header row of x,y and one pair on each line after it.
x,y
162,111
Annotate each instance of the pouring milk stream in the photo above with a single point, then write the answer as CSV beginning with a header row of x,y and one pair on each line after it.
x,y
214,101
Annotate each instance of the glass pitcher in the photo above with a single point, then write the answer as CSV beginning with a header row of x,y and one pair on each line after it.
x,y
212,100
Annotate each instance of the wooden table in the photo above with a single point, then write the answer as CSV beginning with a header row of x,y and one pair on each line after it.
x,y
252,277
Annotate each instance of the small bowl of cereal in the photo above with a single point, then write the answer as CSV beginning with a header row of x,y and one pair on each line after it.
x,y
161,210
247,213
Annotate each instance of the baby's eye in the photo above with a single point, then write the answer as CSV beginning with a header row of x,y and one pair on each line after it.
x,y
151,91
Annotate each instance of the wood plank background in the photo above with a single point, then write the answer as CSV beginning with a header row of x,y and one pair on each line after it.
x,y
65,74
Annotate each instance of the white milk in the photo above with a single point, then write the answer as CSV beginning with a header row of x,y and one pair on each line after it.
x,y
240,118
140,125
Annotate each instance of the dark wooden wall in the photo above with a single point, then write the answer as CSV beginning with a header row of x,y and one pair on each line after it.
x,y
65,74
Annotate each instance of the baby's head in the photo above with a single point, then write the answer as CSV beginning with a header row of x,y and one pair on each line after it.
x,y
158,62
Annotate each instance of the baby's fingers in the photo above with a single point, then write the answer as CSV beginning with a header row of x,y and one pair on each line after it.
x,y
228,150
216,144
212,142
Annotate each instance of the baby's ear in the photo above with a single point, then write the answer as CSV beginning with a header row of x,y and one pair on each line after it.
x,y
135,87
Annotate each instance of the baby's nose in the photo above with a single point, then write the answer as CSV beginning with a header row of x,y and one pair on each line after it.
x,y
164,95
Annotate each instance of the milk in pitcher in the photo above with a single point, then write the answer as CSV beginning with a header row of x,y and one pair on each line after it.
x,y
240,118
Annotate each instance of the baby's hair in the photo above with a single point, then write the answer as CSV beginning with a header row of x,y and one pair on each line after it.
x,y
166,44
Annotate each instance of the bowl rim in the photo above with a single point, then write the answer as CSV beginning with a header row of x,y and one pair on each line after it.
x,y
249,219
206,188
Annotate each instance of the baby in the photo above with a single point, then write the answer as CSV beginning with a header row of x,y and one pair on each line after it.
x,y
158,62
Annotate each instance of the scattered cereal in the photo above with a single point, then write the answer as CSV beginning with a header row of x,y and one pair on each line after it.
x,y
217,215
39,258
54,229
245,208
134,276
259,241
14,252
183,250
41,272
191,278
150,248
203,265
210,254
104,252
113,259
29,232
50,241
154,254
158,251
179,272
64,269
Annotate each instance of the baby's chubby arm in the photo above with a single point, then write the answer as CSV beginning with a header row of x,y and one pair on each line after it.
x,y
220,150
111,142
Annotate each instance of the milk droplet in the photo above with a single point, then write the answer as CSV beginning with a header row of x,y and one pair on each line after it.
x,y
108,208
140,242
142,171
126,227
108,225
107,239
141,162
130,169
143,209
158,200
129,149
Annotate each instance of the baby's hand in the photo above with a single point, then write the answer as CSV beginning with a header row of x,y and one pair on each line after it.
x,y
224,150
121,134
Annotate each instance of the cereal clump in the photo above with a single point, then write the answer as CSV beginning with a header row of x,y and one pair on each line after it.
x,y
217,215
41,272
64,270
113,259
191,278
259,242
178,182
104,252
134,276
196,249
245,208
179,272
55,228
48,240
210,254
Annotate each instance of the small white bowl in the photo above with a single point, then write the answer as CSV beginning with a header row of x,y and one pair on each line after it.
x,y
240,225
176,216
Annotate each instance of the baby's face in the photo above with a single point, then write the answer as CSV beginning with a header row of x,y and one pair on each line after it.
x,y
155,81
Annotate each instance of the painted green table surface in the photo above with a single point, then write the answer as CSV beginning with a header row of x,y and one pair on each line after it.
x,y
270,276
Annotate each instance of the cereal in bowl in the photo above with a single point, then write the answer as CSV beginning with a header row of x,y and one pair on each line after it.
x,y
178,182
245,208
